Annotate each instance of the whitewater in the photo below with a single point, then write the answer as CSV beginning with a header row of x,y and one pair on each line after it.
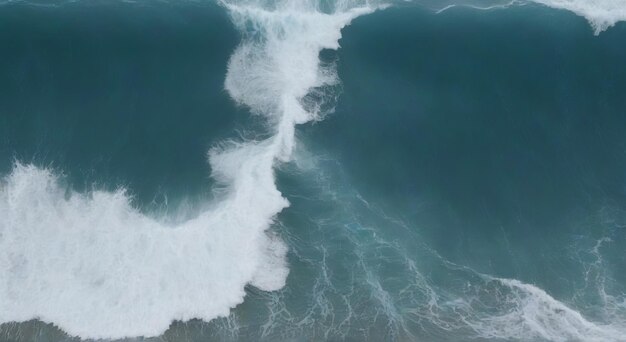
x,y
98,267
117,272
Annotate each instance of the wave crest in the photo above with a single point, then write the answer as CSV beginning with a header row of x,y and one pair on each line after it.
x,y
99,268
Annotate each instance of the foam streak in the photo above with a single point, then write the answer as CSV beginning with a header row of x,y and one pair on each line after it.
x,y
99,268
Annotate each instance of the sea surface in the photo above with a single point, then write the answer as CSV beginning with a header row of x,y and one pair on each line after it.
x,y
312,170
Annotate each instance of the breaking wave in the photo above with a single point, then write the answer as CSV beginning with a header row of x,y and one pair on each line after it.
x,y
99,268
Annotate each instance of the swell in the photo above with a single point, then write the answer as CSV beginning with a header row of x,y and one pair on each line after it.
x,y
98,268
114,258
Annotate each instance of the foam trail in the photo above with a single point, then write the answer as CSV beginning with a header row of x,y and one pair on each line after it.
x,y
511,310
526,312
601,14
99,268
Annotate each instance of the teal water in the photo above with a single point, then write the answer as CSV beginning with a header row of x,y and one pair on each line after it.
x,y
112,93
481,136
470,183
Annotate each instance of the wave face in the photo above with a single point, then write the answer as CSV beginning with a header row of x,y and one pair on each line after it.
x,y
460,189
96,253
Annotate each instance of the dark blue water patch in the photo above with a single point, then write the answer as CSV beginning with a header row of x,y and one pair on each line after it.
x,y
116,94
497,132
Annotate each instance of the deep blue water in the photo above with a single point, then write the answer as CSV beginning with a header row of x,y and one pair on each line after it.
x,y
470,183
116,93
504,128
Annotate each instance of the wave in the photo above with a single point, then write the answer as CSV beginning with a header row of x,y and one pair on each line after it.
x,y
99,268
397,288
601,14
509,309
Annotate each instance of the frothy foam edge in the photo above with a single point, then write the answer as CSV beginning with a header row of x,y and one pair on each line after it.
x,y
99,268
601,14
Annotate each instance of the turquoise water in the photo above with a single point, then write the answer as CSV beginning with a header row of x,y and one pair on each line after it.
x,y
465,179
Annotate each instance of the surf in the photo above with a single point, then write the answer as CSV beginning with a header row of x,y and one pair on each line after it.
x,y
116,272
98,267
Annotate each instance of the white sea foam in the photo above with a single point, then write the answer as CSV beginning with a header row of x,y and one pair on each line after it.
x,y
99,268
513,310
601,14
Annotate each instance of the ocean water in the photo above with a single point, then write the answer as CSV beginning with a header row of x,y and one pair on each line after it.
x,y
312,170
